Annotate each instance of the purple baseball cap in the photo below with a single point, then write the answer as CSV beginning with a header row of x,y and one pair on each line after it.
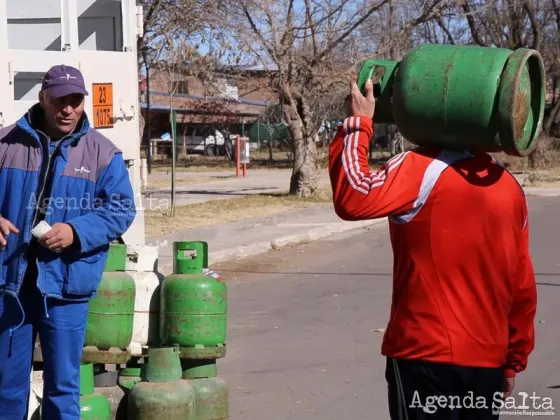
x,y
64,80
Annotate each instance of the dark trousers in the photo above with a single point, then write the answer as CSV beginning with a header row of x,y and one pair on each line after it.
x,y
421,390
61,328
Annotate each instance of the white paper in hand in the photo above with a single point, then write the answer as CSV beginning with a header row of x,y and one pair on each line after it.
x,y
42,228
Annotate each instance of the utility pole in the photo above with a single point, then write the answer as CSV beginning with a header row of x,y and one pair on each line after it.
x,y
148,123
173,157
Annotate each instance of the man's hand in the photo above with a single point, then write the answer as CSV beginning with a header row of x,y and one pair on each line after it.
x,y
359,104
61,236
509,384
6,227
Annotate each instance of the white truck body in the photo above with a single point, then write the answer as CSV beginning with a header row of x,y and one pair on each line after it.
x,y
96,36
99,37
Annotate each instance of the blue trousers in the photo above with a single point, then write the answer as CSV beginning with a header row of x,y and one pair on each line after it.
x,y
61,327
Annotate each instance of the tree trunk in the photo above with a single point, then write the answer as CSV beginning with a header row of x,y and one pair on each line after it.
x,y
553,118
141,128
270,151
304,136
229,150
141,124
304,180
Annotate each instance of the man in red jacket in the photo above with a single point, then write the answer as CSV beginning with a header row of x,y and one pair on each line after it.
x,y
464,293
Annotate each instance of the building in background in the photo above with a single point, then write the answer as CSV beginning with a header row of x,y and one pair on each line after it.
x,y
210,109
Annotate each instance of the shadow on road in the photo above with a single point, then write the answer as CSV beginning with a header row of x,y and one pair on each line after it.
x,y
539,283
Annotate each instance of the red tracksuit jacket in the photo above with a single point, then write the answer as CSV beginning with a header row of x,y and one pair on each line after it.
x,y
464,289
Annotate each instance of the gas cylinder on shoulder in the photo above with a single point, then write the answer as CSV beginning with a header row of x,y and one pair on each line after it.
x,y
462,97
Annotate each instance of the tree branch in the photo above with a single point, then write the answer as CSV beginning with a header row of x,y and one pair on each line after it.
x,y
311,26
473,27
445,30
256,31
345,34
537,38
556,8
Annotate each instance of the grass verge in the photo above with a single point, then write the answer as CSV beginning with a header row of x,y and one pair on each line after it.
x,y
542,180
159,182
159,222
546,161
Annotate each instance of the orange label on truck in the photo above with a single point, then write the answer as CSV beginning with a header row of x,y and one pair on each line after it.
x,y
102,105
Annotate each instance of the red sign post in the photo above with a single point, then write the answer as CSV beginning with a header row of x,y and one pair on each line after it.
x,y
241,155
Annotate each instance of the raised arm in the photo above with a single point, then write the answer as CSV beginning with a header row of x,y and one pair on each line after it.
x,y
359,193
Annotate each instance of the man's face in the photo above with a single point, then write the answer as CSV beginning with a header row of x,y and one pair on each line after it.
x,y
62,114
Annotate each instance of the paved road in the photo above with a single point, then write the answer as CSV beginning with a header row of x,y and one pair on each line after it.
x,y
302,326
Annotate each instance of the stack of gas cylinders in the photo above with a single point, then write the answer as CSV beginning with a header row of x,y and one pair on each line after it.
x,y
108,335
176,378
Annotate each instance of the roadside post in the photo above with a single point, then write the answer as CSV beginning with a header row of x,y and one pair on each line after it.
x,y
242,156
173,158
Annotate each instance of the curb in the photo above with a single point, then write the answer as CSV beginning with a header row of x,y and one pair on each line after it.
x,y
541,192
244,251
289,240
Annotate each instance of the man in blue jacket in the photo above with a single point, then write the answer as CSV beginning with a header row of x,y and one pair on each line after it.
x,y
54,167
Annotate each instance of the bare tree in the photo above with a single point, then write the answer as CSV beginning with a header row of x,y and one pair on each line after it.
x,y
310,48
179,36
513,24
299,41
491,23
190,21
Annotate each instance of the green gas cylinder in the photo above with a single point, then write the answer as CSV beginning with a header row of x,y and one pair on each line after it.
x,y
211,392
128,377
462,97
193,311
162,394
111,313
93,406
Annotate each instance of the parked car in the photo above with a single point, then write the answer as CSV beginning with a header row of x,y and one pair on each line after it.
x,y
202,139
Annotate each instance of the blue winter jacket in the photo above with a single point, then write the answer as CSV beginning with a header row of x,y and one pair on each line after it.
x,y
91,191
